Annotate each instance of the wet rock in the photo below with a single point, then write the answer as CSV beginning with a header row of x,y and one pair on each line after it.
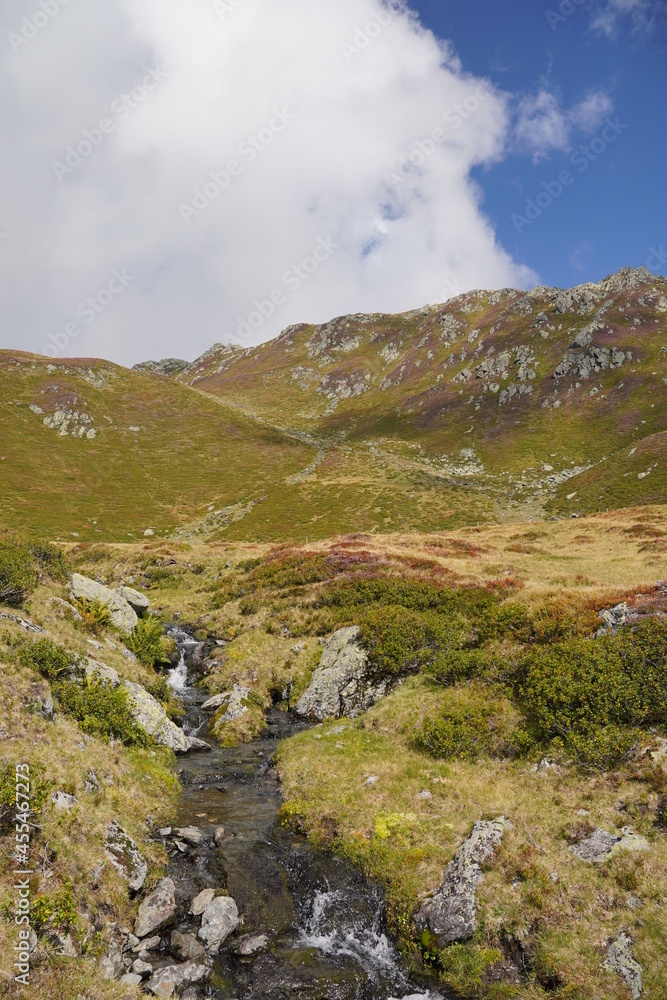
x,y
219,835
63,802
186,947
219,920
122,615
450,915
620,960
251,944
200,902
178,977
191,835
157,909
341,685
137,601
125,856
601,845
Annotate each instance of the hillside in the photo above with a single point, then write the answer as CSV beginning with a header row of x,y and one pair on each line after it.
x,y
496,406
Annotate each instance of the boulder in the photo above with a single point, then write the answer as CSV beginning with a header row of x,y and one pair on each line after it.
x,y
64,802
130,979
186,947
620,960
251,944
149,944
122,615
151,716
200,902
141,968
601,845
220,919
157,909
341,685
235,703
125,856
191,835
96,671
177,977
450,915
137,601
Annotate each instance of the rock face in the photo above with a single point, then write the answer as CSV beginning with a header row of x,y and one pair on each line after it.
x,y
341,685
157,909
123,617
151,716
601,845
450,915
220,919
620,960
125,856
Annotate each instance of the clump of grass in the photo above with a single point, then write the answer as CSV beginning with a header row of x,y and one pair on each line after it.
x,y
147,641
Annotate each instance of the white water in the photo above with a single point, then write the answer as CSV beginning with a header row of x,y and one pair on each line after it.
x,y
369,947
177,678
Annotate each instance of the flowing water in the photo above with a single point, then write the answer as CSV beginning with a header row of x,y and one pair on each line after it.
x,y
323,919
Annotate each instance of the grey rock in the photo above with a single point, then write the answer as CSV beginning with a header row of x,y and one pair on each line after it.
x,y
157,909
96,671
137,601
614,618
200,902
130,979
64,802
143,969
122,615
191,835
219,920
132,942
178,977
341,686
186,947
620,960
63,945
219,835
602,845
23,623
450,915
68,608
151,716
159,988
165,831
125,856
168,366
235,702
106,968
251,944
150,944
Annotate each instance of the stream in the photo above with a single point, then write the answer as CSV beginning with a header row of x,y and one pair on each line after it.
x,y
323,918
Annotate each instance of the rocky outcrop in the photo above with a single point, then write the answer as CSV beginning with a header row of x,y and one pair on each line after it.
x,y
602,845
168,366
122,615
137,601
157,909
620,960
219,920
151,716
125,856
450,915
341,686
232,704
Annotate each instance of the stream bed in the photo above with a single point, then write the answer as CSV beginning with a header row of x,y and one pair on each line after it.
x,y
323,919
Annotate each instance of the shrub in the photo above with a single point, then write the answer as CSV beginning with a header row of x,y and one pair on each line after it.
x,y
50,660
454,665
95,615
401,641
51,560
147,641
472,724
100,710
18,570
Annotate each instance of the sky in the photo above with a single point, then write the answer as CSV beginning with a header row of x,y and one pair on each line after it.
x,y
175,175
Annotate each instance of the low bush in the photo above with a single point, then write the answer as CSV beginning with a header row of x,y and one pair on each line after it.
x,y
101,710
474,723
23,563
400,641
449,667
50,660
147,641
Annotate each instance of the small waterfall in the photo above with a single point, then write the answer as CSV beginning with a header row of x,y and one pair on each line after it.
x,y
178,676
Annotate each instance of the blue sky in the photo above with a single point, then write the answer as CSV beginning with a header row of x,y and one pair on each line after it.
x,y
616,210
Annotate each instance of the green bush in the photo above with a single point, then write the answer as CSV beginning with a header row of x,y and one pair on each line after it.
x,y
51,560
147,641
95,615
474,723
449,667
101,710
400,641
50,660
19,573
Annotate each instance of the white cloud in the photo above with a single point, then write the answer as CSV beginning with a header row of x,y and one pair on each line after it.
x,y
344,93
544,126
609,15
